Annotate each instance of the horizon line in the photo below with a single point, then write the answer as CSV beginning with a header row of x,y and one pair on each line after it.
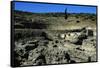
x,y
57,12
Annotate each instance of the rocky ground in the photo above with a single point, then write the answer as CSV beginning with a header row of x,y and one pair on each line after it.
x,y
49,48
54,40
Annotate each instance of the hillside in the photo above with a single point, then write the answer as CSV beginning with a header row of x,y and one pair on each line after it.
x,y
54,21
50,38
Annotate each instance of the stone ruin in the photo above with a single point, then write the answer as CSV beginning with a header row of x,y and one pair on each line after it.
x,y
52,50
77,37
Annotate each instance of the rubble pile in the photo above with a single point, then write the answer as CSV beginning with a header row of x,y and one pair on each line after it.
x,y
67,48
